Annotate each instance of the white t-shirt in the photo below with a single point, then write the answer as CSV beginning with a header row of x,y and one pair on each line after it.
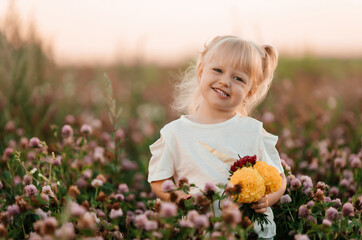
x,y
181,152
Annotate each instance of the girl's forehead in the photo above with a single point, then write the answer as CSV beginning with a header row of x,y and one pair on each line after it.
x,y
242,57
224,61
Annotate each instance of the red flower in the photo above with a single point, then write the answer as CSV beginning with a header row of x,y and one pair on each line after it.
x,y
243,161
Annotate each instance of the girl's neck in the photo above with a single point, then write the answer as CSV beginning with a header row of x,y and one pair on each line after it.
x,y
203,116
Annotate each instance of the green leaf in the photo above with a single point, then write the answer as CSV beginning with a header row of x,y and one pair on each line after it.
x,y
6,175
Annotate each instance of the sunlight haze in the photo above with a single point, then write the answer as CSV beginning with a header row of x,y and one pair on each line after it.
x,y
169,32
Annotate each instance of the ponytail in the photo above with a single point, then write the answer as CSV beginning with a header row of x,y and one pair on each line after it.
x,y
269,56
270,60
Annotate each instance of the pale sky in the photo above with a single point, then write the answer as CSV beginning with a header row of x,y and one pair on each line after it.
x,y
166,31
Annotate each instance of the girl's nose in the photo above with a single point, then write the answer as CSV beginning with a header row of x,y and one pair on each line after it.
x,y
225,82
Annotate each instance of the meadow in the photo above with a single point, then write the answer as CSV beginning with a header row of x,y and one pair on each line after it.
x,y
74,150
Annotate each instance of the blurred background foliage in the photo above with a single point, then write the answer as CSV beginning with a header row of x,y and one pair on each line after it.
x,y
311,99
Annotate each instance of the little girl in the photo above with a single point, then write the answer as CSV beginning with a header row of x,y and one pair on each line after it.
x,y
231,77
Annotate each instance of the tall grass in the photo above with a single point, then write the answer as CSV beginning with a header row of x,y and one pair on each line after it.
x,y
26,77
309,96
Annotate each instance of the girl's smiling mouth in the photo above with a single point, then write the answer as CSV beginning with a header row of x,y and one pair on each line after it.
x,y
221,92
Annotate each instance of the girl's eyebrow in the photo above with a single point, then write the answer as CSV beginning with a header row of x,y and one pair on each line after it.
x,y
242,73
235,71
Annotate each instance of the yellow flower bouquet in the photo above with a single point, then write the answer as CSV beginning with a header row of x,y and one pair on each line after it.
x,y
252,180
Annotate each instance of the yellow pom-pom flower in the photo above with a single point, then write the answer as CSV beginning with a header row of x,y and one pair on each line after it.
x,y
271,176
252,184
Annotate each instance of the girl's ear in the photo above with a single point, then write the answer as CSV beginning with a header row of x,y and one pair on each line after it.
x,y
199,72
251,91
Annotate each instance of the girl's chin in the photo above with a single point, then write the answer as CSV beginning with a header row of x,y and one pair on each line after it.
x,y
224,109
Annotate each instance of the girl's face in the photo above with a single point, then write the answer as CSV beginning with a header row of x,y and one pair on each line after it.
x,y
222,86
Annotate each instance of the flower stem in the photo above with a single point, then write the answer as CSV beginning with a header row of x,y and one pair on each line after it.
x,y
212,207
10,166
290,213
50,167
22,225
95,196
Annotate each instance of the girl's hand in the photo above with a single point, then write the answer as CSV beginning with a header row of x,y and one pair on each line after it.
x,y
262,205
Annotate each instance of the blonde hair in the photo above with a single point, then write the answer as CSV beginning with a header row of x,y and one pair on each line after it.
x,y
258,62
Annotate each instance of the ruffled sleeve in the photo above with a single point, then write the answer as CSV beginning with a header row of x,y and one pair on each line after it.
x,y
268,152
161,165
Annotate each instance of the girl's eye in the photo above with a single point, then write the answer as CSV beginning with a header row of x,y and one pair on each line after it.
x,y
238,79
218,70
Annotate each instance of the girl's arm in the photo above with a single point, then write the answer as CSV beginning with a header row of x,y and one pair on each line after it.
x,y
157,189
270,199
